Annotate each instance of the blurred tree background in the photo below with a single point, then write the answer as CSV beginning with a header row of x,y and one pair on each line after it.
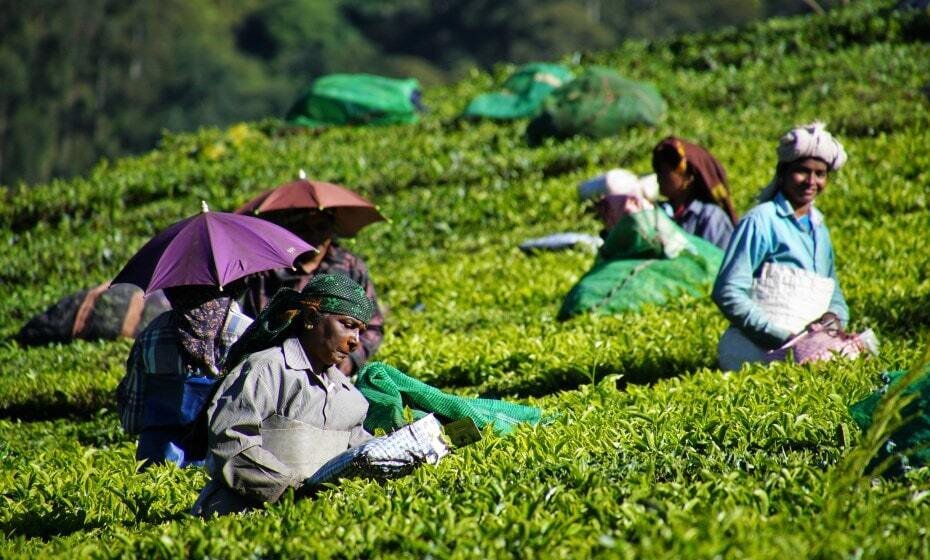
x,y
82,80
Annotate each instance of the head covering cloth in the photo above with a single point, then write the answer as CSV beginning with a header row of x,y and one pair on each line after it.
x,y
802,142
620,182
198,314
709,182
326,293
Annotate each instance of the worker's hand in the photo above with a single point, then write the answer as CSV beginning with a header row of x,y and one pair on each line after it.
x,y
828,318
829,322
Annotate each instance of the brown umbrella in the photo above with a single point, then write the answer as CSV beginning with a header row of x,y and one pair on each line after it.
x,y
350,211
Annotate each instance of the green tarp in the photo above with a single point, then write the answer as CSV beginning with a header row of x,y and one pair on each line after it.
x,y
598,103
523,93
646,258
909,444
339,99
388,391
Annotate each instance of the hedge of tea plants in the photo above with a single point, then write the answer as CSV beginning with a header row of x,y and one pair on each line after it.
x,y
651,450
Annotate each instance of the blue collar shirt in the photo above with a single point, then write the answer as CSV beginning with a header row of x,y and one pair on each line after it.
x,y
705,220
770,233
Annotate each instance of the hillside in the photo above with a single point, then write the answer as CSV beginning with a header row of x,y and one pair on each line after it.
x,y
654,453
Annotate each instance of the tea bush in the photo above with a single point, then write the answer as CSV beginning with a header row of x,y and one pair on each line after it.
x,y
651,452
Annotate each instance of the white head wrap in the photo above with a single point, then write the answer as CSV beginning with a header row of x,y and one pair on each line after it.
x,y
620,182
806,141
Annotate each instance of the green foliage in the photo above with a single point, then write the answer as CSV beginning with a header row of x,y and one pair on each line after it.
x,y
85,80
100,78
654,453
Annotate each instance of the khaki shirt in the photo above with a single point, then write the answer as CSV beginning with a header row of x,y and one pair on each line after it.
x,y
277,381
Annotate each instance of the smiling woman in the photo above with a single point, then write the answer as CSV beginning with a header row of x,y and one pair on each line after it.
x,y
285,409
778,276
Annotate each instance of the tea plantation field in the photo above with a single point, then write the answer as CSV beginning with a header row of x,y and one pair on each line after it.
x,y
655,453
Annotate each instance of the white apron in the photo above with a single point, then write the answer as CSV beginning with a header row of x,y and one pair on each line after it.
x,y
790,297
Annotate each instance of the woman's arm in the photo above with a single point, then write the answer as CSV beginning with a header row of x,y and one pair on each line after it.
x,y
746,252
236,454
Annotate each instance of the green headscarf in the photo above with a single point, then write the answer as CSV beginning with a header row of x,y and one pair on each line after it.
x,y
327,293
340,295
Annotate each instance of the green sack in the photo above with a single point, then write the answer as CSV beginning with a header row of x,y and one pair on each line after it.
x,y
339,99
388,390
598,103
909,444
523,93
645,259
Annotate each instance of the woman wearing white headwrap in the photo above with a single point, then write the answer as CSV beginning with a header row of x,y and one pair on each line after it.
x,y
779,273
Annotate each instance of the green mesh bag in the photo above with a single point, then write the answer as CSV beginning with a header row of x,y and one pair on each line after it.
x,y
388,391
909,444
646,259
523,93
339,99
598,103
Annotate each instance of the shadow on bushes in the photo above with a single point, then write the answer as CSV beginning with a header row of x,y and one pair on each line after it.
x,y
58,405
903,316
551,381
66,521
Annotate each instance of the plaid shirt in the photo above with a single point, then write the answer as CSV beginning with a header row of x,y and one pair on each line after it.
x,y
157,352
261,287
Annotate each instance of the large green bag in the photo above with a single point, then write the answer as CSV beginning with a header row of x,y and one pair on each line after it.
x,y
646,258
598,103
909,444
523,93
388,390
339,99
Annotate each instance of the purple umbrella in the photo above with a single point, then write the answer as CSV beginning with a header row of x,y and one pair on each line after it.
x,y
213,249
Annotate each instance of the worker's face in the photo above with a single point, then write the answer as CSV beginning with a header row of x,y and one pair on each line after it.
x,y
672,183
332,338
803,181
310,226
612,208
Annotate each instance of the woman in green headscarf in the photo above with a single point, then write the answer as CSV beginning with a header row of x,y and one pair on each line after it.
x,y
285,408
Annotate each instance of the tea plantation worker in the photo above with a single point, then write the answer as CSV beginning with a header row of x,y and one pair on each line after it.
x,y
695,184
286,408
172,366
617,193
779,273
317,228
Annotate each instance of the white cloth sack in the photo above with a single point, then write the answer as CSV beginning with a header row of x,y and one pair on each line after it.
x,y
790,297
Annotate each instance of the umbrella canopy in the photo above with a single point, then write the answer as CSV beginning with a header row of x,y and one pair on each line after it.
x,y
213,249
350,211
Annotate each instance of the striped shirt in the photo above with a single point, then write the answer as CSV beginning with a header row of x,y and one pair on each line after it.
x,y
276,384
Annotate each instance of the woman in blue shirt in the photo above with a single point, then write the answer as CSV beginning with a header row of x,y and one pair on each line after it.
x,y
779,273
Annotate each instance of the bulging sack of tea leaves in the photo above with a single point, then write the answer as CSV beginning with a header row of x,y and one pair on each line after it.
x,y
97,313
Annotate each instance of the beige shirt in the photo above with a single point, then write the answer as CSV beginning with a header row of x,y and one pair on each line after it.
x,y
277,381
